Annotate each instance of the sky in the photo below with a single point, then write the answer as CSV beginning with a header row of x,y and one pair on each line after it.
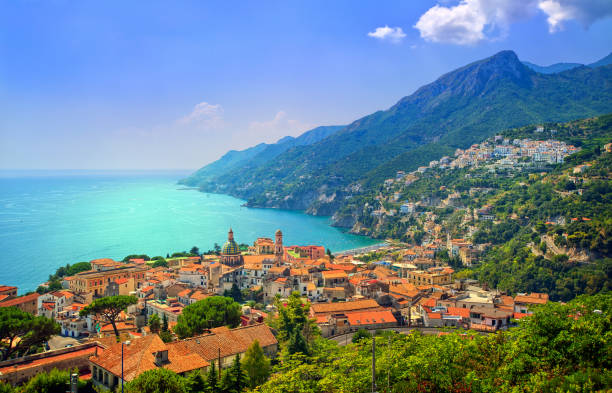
x,y
175,85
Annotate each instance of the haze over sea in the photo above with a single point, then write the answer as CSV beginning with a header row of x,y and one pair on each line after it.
x,y
49,219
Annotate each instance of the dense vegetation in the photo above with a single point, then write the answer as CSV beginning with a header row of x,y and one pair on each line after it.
x,y
561,348
22,333
460,108
208,313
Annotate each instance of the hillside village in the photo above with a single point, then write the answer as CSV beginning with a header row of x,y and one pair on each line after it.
x,y
424,282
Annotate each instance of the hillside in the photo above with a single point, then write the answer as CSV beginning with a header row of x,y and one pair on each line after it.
x,y
460,108
535,223
255,156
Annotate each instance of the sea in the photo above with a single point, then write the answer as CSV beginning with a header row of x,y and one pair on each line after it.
x,y
51,218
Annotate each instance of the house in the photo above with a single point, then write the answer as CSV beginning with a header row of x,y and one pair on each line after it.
x,y
19,370
27,303
140,355
194,275
341,323
8,291
332,278
523,301
489,319
320,310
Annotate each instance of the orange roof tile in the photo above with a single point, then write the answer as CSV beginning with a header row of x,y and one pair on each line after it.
x,y
19,300
370,317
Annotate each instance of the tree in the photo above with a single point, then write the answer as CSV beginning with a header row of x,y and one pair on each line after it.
x,y
360,334
154,323
211,379
208,313
160,263
330,255
256,365
234,379
110,307
195,382
21,332
295,329
195,250
55,381
159,380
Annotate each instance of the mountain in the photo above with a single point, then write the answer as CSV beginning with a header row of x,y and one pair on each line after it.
x,y
560,67
459,108
256,155
553,68
603,62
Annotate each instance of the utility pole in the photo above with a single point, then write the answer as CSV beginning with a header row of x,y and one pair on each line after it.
x,y
373,364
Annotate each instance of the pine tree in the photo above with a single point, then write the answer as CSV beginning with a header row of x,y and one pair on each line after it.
x,y
256,365
164,323
234,379
211,379
195,382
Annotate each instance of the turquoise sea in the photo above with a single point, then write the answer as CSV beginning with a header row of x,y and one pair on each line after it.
x,y
49,219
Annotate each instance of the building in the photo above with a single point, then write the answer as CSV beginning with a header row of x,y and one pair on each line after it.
x,y
27,303
320,311
230,253
7,292
434,276
140,355
263,245
523,301
94,282
20,370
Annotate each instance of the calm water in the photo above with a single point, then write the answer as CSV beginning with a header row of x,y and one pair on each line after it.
x,y
50,219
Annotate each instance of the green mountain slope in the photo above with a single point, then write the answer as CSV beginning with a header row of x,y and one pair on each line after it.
x,y
255,156
458,109
553,68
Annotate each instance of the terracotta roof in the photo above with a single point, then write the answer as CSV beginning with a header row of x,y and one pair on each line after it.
x,y
327,308
519,315
334,274
121,280
370,317
434,315
7,288
49,359
532,298
139,357
249,259
458,311
20,300
230,341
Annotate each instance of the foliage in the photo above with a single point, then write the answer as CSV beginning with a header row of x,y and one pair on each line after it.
x,y
234,379
235,293
159,380
136,256
195,382
160,263
109,308
54,381
194,250
256,365
154,323
359,335
295,329
559,348
22,332
207,313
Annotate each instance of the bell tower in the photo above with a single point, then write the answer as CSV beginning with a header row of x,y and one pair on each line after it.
x,y
278,247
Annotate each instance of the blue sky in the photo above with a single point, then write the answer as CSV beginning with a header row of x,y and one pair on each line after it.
x,y
149,85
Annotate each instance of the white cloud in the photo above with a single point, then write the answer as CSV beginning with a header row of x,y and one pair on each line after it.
x,y
391,34
281,125
584,11
204,115
472,21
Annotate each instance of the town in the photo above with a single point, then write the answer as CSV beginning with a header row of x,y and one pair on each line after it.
x,y
406,288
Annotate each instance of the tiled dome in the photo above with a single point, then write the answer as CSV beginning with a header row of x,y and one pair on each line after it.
x,y
230,248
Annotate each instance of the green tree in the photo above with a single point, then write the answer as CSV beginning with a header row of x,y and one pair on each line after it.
x,y
160,263
154,323
234,379
110,307
55,381
295,328
256,365
195,382
6,387
136,256
164,323
212,379
360,334
208,313
330,255
159,380
22,332
195,250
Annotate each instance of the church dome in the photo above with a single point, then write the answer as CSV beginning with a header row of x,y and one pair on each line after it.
x,y
230,248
